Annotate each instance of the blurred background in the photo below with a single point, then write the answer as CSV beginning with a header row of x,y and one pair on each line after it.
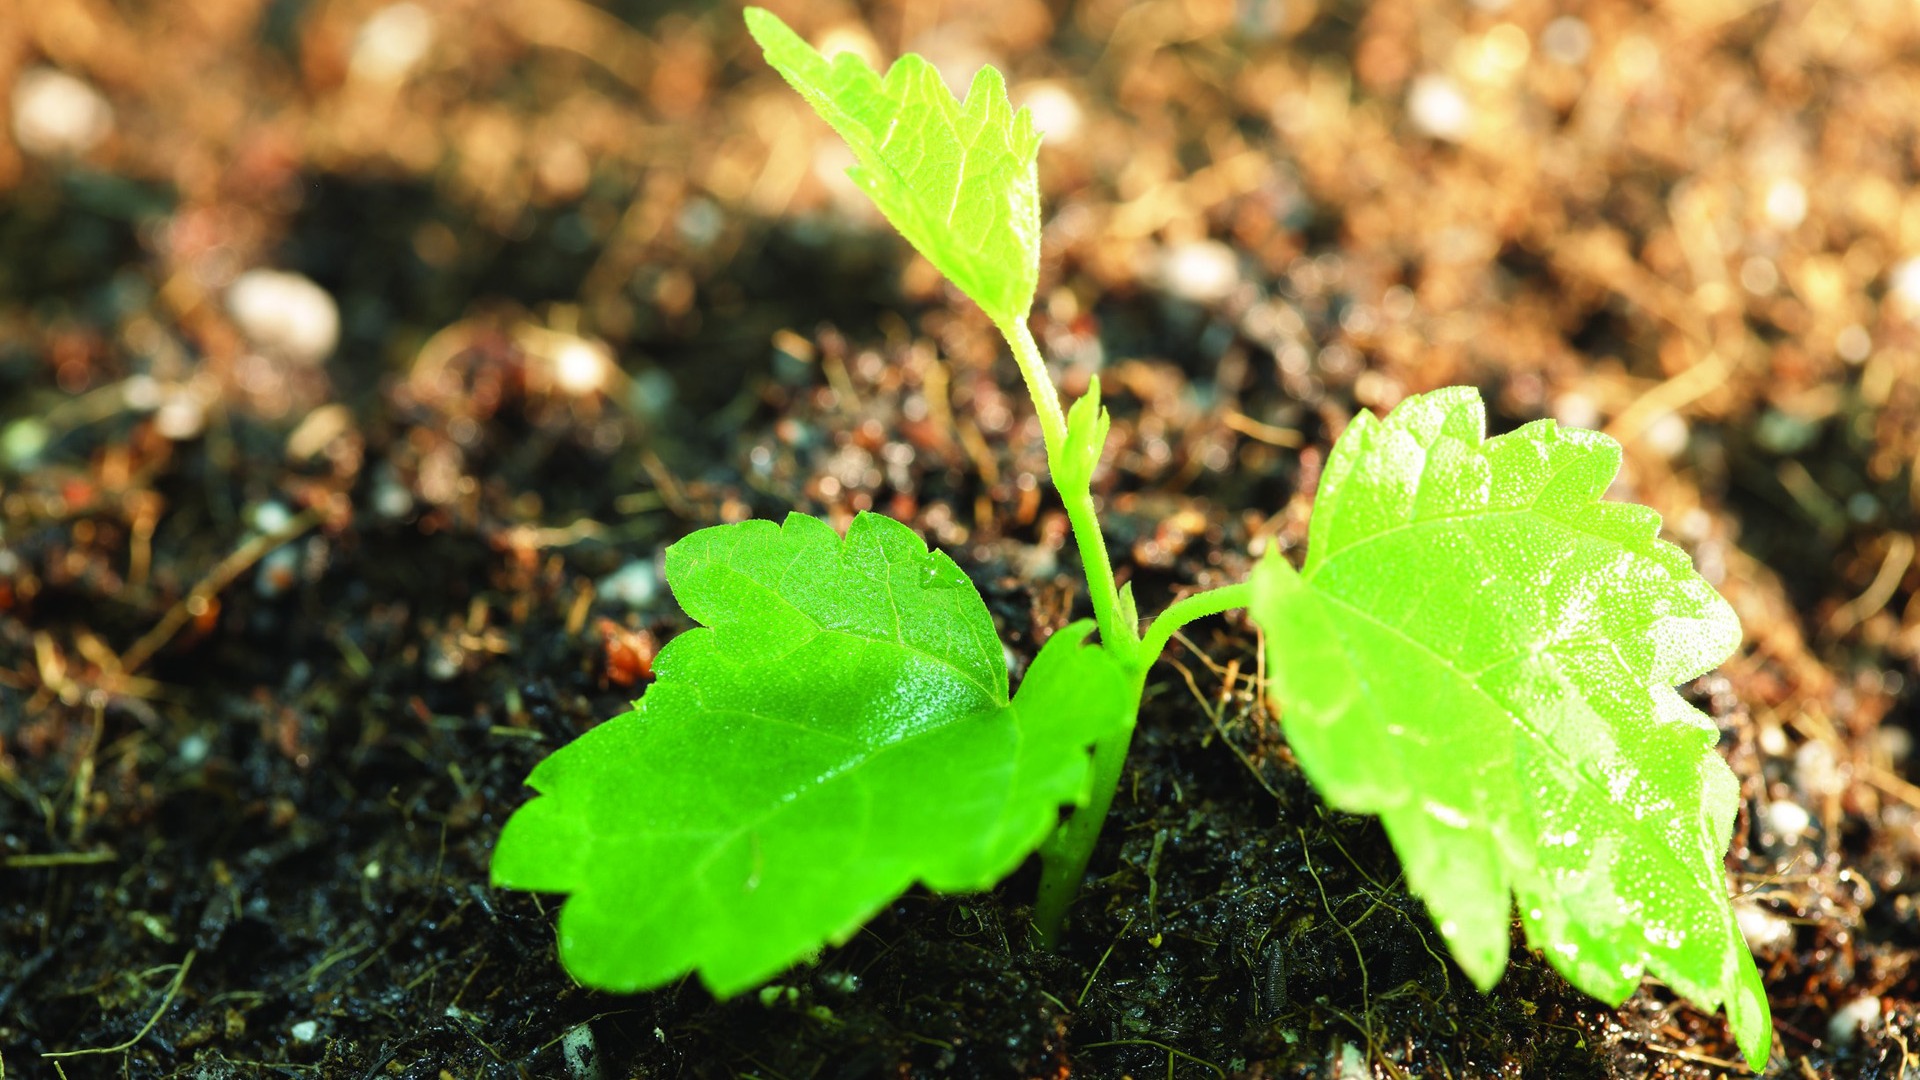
x,y
357,358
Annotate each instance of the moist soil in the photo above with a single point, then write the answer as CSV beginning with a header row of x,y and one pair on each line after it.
x,y
281,636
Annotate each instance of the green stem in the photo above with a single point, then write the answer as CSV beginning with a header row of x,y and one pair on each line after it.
x,y
1116,633
1046,399
1065,855
1187,609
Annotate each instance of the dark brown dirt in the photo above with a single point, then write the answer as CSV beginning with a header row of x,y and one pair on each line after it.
x,y
280,638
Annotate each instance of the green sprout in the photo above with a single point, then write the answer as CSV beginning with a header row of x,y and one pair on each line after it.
x,y
1479,649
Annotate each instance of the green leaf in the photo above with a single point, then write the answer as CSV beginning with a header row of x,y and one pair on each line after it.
x,y
838,730
956,179
1483,653
1087,427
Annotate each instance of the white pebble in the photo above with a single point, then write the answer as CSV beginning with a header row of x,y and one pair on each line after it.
x,y
181,416
1667,435
1853,343
850,38
581,367
1904,286
1767,934
22,441
1759,276
1200,271
270,517
141,393
1566,40
285,313
391,499
582,1054
1786,203
193,750
634,585
1576,410
1788,820
1439,109
1056,112
1773,740
56,115
1844,1027
1816,771
305,1031
391,43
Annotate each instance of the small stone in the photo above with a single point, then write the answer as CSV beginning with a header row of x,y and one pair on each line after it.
x,y
23,441
1759,276
285,313
1904,287
1815,770
1439,109
56,115
1056,112
1767,934
1200,271
305,1031
634,586
391,499
700,223
1576,410
1773,740
1566,40
1788,820
1668,435
193,750
391,44
1786,203
443,660
181,416
582,1054
1853,343
581,367
270,517
1849,1020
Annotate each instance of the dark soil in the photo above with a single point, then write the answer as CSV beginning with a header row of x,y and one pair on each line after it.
x,y
281,638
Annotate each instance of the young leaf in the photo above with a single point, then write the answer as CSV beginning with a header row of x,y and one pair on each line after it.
x,y
1087,427
838,730
956,179
1483,653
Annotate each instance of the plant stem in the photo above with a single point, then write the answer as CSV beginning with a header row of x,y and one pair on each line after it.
x,y
1115,633
1187,609
1046,398
1065,855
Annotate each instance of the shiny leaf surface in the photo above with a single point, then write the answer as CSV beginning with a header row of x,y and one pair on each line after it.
x,y
838,730
1483,653
957,179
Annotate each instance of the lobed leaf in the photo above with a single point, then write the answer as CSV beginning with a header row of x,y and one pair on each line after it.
x,y
838,730
957,179
1483,653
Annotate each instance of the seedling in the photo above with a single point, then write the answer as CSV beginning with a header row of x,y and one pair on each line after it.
x,y
1479,650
